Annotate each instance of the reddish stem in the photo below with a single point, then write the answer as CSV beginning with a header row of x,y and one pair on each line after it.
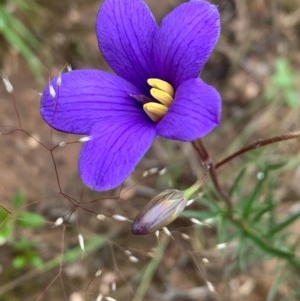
x,y
257,144
204,156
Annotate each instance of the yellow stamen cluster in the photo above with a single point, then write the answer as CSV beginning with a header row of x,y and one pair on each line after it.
x,y
162,92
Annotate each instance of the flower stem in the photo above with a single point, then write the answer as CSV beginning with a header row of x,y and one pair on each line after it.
x,y
189,192
257,144
242,225
208,164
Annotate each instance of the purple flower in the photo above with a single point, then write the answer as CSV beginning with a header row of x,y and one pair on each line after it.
x,y
155,92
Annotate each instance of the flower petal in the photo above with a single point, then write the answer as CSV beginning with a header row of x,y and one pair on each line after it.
x,y
194,112
125,30
185,40
85,96
116,146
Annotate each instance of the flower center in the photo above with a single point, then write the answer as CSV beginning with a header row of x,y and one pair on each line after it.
x,y
163,92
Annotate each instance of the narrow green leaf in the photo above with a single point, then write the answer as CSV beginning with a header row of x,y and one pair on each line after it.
x,y
254,196
284,76
21,46
222,224
266,245
18,200
212,206
30,220
272,294
20,29
237,182
269,200
6,227
240,251
6,231
284,224
4,215
149,271
262,211
275,166
23,244
296,244
36,261
201,215
19,262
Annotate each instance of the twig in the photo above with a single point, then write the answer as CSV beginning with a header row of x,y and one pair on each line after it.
x,y
204,156
257,144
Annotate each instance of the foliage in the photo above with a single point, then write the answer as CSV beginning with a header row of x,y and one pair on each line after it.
x,y
255,225
25,253
18,35
283,83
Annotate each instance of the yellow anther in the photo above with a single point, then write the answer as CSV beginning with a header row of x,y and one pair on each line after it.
x,y
155,111
163,97
161,85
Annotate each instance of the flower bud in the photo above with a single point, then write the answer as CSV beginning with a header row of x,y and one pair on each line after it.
x,y
159,212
